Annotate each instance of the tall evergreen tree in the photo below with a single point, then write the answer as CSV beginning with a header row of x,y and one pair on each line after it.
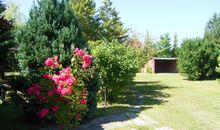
x,y
164,46
52,29
174,50
86,14
111,26
5,42
149,46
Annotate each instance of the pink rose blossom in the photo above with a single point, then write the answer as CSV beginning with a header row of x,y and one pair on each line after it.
x,y
83,102
42,113
49,62
60,87
50,93
66,71
87,60
76,50
32,89
85,65
70,80
65,91
79,52
42,98
37,92
52,62
55,108
47,76
55,78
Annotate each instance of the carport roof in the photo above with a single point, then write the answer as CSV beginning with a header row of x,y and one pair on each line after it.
x,y
160,58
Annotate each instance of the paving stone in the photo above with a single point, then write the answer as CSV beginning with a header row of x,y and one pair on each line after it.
x,y
138,121
148,120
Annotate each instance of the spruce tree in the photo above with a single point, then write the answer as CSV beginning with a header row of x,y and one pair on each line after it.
x,y
148,47
5,42
111,26
174,50
52,29
86,14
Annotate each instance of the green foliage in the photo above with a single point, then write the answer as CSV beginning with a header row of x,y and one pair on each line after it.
x,y
212,30
52,29
148,47
85,13
111,26
174,50
117,66
197,58
163,46
12,13
218,66
7,61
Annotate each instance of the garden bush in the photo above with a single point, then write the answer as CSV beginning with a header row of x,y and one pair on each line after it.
x,y
197,59
60,94
117,65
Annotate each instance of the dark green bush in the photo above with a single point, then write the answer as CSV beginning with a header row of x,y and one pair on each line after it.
x,y
197,59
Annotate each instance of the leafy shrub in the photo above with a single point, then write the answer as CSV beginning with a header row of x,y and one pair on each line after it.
x,y
61,93
117,65
197,59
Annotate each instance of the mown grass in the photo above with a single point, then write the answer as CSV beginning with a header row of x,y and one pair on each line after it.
x,y
179,103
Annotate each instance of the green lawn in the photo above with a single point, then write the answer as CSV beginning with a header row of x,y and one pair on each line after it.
x,y
174,101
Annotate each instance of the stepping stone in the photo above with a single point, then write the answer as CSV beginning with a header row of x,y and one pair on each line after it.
x,y
148,120
164,128
137,120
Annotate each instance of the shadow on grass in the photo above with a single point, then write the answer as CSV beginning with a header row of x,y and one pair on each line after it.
x,y
152,94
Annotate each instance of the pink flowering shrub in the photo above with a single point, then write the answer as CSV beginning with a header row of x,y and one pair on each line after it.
x,y
61,90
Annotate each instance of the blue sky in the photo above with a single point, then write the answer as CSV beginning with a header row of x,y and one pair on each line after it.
x,y
185,17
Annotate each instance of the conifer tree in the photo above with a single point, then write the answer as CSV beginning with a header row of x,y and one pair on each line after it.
x,y
111,26
148,47
5,42
86,14
52,29
175,46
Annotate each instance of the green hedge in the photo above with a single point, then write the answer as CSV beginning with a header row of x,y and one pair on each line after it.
x,y
197,59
